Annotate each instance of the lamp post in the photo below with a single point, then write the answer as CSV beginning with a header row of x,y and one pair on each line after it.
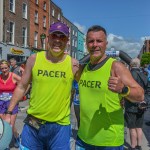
x,y
42,37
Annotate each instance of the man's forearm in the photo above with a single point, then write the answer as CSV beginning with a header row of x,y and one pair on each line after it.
x,y
17,96
137,95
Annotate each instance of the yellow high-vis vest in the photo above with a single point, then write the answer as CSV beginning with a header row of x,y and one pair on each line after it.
x,y
101,115
51,90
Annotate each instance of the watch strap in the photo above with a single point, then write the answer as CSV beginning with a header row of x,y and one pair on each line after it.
x,y
125,91
8,112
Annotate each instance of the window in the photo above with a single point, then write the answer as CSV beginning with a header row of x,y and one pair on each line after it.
x,y
12,5
73,32
53,12
35,39
44,5
11,32
69,41
36,17
44,21
24,36
75,44
24,10
76,34
59,16
72,42
43,44
36,2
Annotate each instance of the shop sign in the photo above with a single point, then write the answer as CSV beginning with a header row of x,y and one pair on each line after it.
x,y
16,51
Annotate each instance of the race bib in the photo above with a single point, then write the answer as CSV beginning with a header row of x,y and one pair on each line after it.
x,y
5,96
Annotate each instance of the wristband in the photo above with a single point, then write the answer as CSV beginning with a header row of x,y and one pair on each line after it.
x,y
8,112
125,91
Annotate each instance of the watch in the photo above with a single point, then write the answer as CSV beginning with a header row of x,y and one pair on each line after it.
x,y
8,112
125,91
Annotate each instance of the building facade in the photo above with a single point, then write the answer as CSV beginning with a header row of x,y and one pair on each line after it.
x,y
14,40
24,26
145,48
74,41
81,45
69,24
39,23
55,13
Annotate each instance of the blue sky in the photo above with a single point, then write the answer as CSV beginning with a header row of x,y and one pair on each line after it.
x,y
127,21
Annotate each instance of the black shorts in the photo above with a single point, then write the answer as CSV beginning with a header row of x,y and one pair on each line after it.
x,y
134,120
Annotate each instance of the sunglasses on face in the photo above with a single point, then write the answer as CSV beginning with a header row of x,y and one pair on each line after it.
x,y
58,35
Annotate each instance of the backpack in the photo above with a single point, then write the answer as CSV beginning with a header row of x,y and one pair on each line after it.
x,y
144,82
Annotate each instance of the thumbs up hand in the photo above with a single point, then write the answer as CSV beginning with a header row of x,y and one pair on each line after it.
x,y
115,83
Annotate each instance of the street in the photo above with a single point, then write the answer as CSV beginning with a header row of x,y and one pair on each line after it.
x,y
146,129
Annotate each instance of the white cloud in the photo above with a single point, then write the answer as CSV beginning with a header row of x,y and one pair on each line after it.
x,y
131,47
80,27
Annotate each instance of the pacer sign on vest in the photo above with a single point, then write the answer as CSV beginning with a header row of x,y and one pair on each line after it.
x,y
90,84
57,74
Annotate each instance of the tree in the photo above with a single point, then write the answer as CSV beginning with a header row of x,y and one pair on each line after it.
x,y
145,59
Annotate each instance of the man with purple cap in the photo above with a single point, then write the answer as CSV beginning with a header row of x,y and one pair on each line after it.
x,y
47,125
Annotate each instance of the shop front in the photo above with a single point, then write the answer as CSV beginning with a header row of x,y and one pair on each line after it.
x,y
8,51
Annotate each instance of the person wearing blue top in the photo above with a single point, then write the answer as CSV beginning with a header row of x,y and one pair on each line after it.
x,y
76,101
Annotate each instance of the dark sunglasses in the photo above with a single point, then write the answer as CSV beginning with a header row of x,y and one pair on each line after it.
x,y
58,35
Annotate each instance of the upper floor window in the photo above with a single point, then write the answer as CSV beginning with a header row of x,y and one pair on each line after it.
x,y
73,32
11,32
12,5
72,42
59,16
53,12
76,34
44,21
24,36
36,17
24,10
44,5
37,2
75,44
35,39
44,44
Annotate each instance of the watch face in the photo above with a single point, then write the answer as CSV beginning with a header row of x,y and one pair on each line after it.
x,y
125,90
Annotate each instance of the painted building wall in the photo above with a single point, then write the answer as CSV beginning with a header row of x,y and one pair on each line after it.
x,y
74,41
81,40
69,24
17,18
37,25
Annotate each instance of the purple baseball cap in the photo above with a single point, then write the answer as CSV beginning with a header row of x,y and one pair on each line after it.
x,y
60,27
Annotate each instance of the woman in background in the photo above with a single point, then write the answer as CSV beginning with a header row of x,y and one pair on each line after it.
x,y
8,82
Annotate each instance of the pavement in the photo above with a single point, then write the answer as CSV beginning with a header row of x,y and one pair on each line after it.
x,y
146,129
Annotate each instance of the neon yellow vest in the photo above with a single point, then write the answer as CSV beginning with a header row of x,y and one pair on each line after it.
x,y
102,120
51,88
